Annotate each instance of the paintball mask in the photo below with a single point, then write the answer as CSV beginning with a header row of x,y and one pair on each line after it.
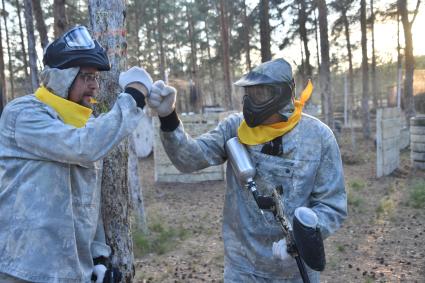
x,y
269,87
76,48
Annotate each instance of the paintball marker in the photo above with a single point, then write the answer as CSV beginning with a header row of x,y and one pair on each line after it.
x,y
304,241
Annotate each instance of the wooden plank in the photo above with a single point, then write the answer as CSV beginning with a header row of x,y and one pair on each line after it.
x,y
194,125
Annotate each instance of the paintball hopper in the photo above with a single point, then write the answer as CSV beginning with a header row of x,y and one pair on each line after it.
x,y
241,163
245,171
308,238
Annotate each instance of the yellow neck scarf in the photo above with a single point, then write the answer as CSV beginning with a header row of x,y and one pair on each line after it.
x,y
70,112
265,133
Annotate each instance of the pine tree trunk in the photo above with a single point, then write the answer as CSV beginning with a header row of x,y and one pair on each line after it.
x,y
160,41
9,53
224,29
31,45
21,35
210,65
108,25
302,21
195,93
351,100
409,63
40,24
3,96
365,73
373,66
60,19
246,29
266,54
324,73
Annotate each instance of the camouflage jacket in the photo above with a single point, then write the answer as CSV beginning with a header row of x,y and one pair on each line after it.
x,y
50,177
309,169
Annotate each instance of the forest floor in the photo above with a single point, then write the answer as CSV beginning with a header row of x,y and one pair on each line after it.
x,y
382,240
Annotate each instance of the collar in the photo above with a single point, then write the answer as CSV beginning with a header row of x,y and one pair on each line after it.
x,y
265,133
70,112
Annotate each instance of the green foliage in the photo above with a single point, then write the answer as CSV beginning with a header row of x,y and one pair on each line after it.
x,y
354,200
159,240
357,185
340,248
417,194
386,206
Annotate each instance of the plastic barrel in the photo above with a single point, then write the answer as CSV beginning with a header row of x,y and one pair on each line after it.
x,y
417,142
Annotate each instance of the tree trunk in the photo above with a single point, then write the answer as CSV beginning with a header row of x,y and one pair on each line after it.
x,y
224,28
246,29
210,65
3,96
160,41
365,73
195,89
351,100
60,20
324,73
31,45
373,66
265,31
41,25
409,63
107,20
316,31
302,21
21,35
9,53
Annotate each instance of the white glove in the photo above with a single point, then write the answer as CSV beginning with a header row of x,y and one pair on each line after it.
x,y
279,250
135,75
99,270
162,98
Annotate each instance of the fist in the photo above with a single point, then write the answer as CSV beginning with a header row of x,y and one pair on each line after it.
x,y
162,98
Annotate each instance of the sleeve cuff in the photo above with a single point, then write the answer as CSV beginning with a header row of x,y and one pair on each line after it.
x,y
169,123
101,260
137,95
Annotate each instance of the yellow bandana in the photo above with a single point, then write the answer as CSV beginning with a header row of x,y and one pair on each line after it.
x,y
70,112
265,133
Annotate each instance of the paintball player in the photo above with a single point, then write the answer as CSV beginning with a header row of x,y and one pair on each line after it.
x,y
289,149
51,151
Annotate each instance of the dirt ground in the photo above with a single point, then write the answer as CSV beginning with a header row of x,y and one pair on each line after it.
x,y
381,241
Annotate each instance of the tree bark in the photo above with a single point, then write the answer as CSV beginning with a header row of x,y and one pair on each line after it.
x,y
246,30
21,35
31,45
40,24
365,73
409,63
266,54
160,41
302,21
107,20
373,66
9,53
3,96
210,65
224,28
195,89
324,73
60,19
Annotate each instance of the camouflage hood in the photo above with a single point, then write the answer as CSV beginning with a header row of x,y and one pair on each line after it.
x,y
58,81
